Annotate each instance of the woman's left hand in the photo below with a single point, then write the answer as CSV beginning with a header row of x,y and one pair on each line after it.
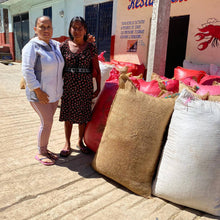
x,y
91,38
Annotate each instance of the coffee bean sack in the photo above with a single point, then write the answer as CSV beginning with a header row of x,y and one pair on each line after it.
x,y
132,140
189,169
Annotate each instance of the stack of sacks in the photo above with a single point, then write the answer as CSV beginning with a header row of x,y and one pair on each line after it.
x,y
135,69
204,90
189,169
203,85
169,87
209,80
95,127
213,89
131,143
122,67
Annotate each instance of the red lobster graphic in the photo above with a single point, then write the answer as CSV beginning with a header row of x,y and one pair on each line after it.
x,y
212,32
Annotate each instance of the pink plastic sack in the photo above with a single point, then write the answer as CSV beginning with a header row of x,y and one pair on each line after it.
x,y
151,88
101,56
135,69
180,73
208,80
204,89
172,85
113,75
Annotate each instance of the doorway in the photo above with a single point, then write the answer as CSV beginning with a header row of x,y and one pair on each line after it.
x,y
99,20
21,33
177,41
6,27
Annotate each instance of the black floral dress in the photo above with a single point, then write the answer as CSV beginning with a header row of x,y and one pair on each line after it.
x,y
78,84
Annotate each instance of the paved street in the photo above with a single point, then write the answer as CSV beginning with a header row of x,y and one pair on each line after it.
x,y
69,190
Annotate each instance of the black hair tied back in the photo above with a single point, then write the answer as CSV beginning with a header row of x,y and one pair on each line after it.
x,y
83,22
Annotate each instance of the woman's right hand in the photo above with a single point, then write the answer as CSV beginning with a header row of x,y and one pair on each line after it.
x,y
42,96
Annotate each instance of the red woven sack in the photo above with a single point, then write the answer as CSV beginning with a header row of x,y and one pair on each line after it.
x,y
95,127
180,73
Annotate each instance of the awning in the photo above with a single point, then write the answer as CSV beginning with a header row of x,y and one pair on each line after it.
x,y
7,3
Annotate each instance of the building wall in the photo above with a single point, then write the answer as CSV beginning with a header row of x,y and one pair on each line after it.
x,y
204,13
35,8
137,19
70,8
2,37
58,21
127,24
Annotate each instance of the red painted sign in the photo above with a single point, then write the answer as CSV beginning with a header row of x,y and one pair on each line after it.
x,y
210,32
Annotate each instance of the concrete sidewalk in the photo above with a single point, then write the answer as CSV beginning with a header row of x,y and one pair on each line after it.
x,y
69,190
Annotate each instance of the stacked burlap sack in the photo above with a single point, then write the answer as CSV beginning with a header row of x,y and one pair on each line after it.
x,y
135,150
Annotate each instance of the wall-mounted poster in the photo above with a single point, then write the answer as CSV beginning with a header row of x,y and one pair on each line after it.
x,y
132,46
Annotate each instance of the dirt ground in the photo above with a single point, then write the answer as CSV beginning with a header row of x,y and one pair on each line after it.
x,y
70,189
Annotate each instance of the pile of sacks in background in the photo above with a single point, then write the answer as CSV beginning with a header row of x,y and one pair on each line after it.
x,y
161,137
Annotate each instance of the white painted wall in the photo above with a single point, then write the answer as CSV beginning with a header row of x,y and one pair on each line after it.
x,y
58,21
73,8
1,21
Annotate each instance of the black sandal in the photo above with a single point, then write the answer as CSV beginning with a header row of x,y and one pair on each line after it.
x,y
65,153
84,149
52,155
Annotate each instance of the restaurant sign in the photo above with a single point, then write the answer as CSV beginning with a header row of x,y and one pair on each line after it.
x,y
134,4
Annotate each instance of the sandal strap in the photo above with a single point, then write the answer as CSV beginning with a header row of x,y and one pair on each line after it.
x,y
52,155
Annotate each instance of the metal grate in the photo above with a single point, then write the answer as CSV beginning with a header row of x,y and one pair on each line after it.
x,y
21,33
99,20
6,28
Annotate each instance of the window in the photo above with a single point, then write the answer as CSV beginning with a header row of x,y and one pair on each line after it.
x,y
48,12
99,20
6,25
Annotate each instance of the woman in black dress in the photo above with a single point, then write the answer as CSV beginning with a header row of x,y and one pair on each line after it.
x,y
81,62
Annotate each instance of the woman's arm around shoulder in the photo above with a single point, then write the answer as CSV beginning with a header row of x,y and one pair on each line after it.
x,y
96,70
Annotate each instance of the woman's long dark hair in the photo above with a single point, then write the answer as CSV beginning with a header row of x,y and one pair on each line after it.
x,y
83,22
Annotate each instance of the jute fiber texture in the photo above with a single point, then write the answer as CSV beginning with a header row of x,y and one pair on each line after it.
x,y
131,142
215,98
22,83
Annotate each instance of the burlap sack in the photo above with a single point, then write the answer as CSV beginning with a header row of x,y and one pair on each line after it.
x,y
132,139
22,83
215,98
